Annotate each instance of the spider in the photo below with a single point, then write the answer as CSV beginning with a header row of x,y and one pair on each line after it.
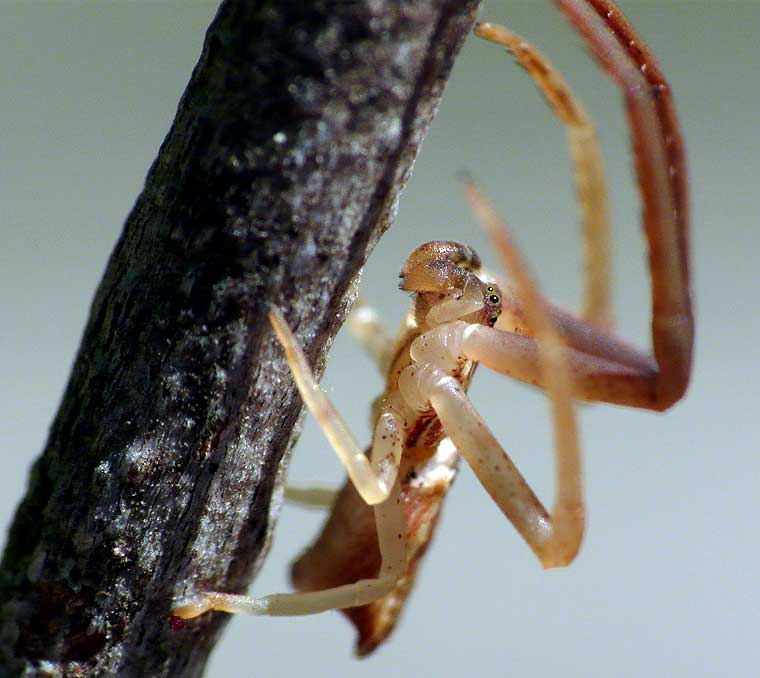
x,y
364,561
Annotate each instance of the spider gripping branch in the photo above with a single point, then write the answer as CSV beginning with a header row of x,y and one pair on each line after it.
x,y
365,564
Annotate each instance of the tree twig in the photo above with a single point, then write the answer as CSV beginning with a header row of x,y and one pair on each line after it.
x,y
282,168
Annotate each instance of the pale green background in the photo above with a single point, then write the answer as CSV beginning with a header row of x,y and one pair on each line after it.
x,y
667,581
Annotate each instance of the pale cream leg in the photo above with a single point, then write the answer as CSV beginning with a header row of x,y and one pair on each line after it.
x,y
391,533
373,477
554,538
312,496
589,170
365,325
565,529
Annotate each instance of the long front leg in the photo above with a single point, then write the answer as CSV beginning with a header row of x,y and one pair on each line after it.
x,y
391,534
554,537
600,367
661,171
604,367
366,326
376,480
591,187
373,477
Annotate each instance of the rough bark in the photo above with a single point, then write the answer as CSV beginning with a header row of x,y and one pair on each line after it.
x,y
282,168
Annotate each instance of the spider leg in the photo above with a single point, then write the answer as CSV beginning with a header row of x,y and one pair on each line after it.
x,y
605,368
373,477
376,480
555,538
599,367
661,170
593,378
364,323
311,496
589,170
391,533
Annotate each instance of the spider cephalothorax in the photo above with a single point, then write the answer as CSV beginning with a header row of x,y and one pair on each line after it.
x,y
444,276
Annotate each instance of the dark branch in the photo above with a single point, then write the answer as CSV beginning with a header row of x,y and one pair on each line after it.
x,y
282,169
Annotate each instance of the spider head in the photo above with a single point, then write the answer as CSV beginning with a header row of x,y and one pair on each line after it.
x,y
443,275
439,266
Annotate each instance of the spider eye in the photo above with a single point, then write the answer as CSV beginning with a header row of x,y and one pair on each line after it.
x,y
494,299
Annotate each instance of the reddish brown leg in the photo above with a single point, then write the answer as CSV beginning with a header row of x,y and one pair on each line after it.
x,y
661,171
603,367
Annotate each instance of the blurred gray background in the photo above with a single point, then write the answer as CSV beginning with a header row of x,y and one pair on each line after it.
x,y
667,581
